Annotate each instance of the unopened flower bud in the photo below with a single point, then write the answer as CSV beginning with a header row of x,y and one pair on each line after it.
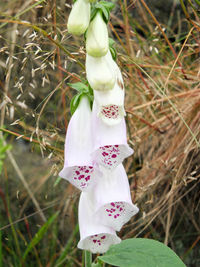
x,y
100,72
97,37
79,17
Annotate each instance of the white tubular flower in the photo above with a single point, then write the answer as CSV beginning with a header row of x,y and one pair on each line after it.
x,y
112,199
79,17
110,104
95,237
78,167
100,72
110,142
97,37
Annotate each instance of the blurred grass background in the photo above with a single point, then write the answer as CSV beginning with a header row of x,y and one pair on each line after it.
x,y
158,47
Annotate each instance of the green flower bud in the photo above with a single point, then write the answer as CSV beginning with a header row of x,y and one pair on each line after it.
x,y
79,17
97,37
100,72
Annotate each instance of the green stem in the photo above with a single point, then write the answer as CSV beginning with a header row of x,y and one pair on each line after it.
x,y
47,35
198,2
23,12
88,258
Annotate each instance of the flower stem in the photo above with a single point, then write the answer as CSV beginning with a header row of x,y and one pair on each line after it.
x,y
88,258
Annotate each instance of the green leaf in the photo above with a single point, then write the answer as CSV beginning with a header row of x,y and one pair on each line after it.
x,y
198,2
3,149
39,235
57,181
103,7
1,166
67,248
98,264
80,87
108,5
141,252
74,103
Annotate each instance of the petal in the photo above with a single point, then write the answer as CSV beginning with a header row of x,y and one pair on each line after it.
x,y
97,37
112,199
95,237
100,72
82,177
78,166
79,17
110,142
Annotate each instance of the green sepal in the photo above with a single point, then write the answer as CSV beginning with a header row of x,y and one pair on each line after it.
x,y
105,14
83,90
75,102
112,49
111,42
94,11
104,8
113,53
108,5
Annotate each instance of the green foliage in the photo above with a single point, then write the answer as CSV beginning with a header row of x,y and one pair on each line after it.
x,y
83,90
39,235
104,8
67,248
141,252
3,149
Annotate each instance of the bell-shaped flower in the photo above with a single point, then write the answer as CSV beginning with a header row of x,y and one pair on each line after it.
x,y
100,72
79,17
112,199
78,167
94,236
110,142
97,43
110,104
